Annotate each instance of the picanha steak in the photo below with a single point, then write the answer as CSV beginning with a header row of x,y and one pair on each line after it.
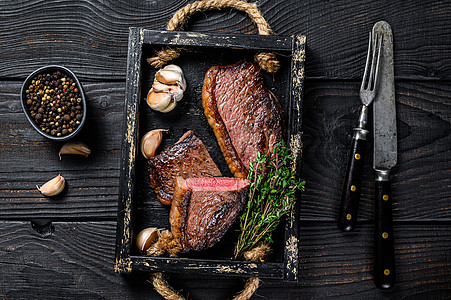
x,y
186,158
203,209
245,116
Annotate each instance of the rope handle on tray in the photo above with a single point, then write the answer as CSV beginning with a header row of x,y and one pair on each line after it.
x,y
266,60
168,245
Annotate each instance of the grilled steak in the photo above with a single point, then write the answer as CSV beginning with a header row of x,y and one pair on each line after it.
x,y
203,209
244,115
187,158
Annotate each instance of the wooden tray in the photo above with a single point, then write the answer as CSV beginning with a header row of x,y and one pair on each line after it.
x,y
138,205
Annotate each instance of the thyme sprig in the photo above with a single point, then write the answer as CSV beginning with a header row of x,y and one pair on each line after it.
x,y
271,195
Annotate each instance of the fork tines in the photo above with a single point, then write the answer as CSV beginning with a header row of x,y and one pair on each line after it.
x,y
374,48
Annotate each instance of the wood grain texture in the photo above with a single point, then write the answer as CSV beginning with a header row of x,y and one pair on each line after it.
x,y
77,259
90,37
421,179
29,160
330,111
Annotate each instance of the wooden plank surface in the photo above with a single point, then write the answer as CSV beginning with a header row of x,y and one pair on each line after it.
x,y
54,266
75,259
420,180
92,39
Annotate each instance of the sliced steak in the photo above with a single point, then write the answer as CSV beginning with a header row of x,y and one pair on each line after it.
x,y
244,115
203,209
187,158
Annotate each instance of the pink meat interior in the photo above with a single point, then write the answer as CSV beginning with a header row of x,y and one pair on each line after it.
x,y
216,184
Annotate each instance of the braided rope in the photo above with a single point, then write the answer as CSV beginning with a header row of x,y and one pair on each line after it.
x,y
166,243
163,288
266,61
256,254
251,9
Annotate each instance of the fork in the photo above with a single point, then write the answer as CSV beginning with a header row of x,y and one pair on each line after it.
x,y
347,214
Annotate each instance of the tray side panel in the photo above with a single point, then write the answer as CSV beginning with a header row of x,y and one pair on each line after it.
x,y
210,267
291,253
129,145
240,41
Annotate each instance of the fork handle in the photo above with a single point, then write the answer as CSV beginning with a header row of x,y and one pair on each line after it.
x,y
347,214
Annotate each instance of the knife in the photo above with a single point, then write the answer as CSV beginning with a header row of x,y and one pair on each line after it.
x,y
385,157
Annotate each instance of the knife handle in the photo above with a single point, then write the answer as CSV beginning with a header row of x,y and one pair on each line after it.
x,y
384,253
350,196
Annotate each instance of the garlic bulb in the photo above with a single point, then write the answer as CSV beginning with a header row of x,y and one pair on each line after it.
x,y
167,89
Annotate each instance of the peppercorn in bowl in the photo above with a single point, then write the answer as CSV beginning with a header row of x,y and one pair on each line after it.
x,y
54,102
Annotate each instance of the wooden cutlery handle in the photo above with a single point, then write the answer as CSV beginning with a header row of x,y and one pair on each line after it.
x,y
384,253
347,214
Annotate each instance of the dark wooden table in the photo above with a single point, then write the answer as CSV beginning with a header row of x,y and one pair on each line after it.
x,y
64,248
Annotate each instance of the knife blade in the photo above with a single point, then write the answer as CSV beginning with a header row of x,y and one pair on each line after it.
x,y
385,157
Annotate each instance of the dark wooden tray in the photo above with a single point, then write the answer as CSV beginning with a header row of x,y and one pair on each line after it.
x,y
138,205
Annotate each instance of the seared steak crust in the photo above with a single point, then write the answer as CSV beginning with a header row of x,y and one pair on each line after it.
x,y
187,158
244,115
200,215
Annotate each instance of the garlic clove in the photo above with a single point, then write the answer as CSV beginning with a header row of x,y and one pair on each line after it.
x,y
75,147
150,142
182,84
145,239
159,87
177,93
175,68
53,187
170,107
168,77
158,101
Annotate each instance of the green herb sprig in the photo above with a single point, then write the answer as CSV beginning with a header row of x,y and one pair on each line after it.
x,y
271,195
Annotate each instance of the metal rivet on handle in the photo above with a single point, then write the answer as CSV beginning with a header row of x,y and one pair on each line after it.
x,y
353,188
